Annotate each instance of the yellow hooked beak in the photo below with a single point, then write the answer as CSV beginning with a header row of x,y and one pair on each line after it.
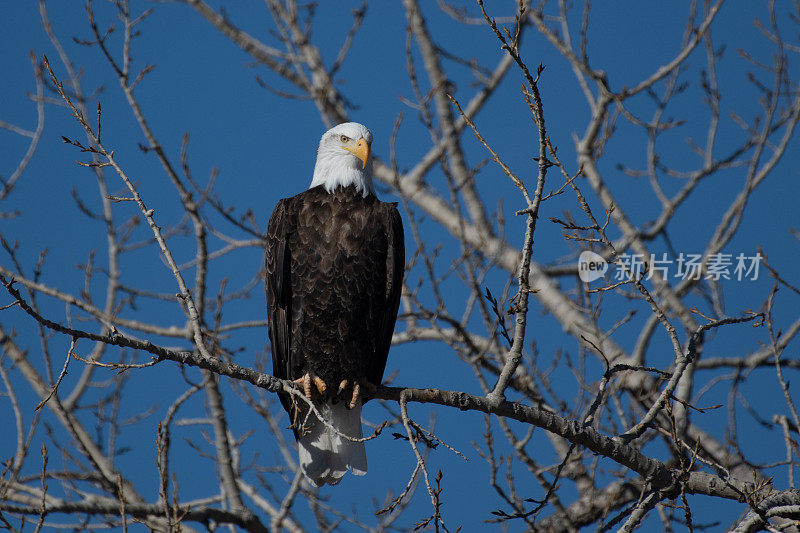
x,y
361,151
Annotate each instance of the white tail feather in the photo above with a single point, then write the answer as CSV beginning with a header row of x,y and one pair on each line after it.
x,y
326,456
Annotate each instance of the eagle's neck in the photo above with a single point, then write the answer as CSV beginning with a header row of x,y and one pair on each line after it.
x,y
337,168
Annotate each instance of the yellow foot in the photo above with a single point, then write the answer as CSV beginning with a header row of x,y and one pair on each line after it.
x,y
357,386
307,380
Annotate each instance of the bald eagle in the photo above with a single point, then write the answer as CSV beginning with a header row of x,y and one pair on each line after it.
x,y
334,269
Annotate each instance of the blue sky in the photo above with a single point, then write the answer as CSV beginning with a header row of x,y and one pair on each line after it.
x,y
264,147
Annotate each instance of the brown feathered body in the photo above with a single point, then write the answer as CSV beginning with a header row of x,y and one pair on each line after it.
x,y
334,269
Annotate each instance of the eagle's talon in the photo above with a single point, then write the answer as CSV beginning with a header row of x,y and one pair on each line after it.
x,y
306,381
356,394
321,386
354,391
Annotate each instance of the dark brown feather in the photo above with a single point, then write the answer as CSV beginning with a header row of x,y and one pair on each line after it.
x,y
335,265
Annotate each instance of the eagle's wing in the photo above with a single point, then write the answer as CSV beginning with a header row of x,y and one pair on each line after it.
x,y
395,267
279,295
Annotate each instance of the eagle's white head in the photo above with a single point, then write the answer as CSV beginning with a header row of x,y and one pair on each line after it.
x,y
343,158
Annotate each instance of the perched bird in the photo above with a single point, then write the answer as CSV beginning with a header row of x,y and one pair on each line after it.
x,y
335,262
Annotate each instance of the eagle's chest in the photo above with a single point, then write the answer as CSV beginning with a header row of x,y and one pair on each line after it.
x,y
336,239
351,232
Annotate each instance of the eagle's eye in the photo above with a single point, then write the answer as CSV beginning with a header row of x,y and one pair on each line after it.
x,y
344,138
